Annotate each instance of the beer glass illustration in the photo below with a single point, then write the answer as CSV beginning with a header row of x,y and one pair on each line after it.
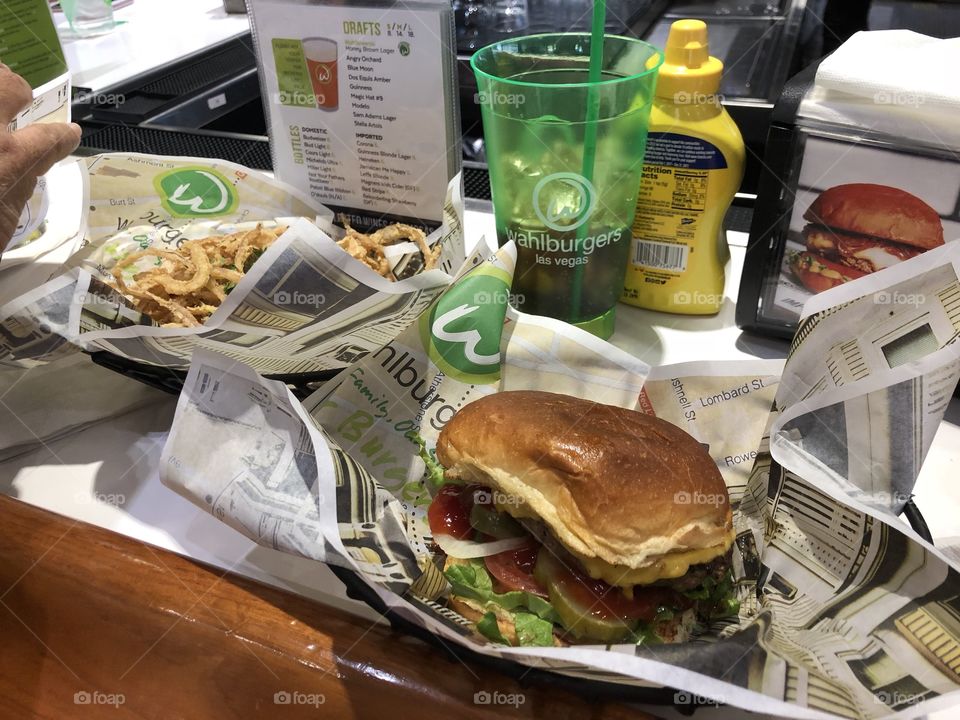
x,y
321,57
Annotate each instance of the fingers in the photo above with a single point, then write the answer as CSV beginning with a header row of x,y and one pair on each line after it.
x,y
15,95
43,144
24,156
11,206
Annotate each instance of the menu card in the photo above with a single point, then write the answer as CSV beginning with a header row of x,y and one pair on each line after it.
x,y
29,44
361,102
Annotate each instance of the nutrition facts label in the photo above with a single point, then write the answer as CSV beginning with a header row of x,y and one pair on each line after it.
x,y
357,104
690,190
672,196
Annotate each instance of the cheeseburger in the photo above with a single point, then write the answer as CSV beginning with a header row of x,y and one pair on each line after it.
x,y
857,229
564,520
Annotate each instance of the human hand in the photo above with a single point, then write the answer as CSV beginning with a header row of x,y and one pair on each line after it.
x,y
27,153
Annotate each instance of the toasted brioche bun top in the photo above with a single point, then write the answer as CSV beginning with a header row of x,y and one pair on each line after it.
x,y
610,483
884,212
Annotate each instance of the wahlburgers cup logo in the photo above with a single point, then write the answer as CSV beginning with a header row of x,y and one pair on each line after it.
x,y
462,330
564,201
195,192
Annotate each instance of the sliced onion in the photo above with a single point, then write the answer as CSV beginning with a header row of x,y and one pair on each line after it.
x,y
466,549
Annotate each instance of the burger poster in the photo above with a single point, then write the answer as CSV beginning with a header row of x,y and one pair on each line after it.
x,y
859,209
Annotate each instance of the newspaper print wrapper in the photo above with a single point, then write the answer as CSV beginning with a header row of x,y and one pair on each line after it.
x,y
845,611
304,307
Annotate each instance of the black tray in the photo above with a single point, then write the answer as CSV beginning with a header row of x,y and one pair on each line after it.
x,y
171,381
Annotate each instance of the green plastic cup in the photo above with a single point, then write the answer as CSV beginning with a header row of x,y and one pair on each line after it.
x,y
565,189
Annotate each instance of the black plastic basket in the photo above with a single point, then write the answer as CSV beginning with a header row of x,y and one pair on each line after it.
x,y
360,591
171,381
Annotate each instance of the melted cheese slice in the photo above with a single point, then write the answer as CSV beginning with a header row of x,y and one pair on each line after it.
x,y
665,567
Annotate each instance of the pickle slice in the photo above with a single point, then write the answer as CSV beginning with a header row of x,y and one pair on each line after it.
x,y
583,621
494,523
583,624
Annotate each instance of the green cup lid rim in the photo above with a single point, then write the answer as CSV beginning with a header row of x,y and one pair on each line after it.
x,y
633,41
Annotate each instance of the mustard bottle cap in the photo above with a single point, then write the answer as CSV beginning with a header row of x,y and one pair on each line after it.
x,y
688,74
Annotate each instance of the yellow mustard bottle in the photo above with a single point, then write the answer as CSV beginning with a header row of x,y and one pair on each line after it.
x,y
692,169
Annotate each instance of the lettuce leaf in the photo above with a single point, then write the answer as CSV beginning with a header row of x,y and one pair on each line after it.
x,y
701,592
723,600
490,629
716,599
532,630
471,580
534,616
429,457
645,635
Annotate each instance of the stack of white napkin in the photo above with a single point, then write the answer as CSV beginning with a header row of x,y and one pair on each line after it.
x,y
894,81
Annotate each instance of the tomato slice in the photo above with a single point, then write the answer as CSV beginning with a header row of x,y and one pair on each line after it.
x,y
449,513
513,569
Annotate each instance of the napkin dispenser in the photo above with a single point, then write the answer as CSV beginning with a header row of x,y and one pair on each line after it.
x,y
861,171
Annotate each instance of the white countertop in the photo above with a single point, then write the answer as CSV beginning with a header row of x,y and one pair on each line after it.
x,y
106,474
150,34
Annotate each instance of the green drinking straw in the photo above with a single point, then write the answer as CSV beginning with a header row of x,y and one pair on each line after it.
x,y
590,133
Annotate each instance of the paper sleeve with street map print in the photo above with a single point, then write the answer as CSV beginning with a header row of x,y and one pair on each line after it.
x,y
845,611
305,306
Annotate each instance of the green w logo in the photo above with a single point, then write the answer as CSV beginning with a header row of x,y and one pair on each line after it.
x,y
195,192
564,201
463,328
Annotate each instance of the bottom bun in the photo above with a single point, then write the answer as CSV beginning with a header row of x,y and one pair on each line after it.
x,y
817,274
474,612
